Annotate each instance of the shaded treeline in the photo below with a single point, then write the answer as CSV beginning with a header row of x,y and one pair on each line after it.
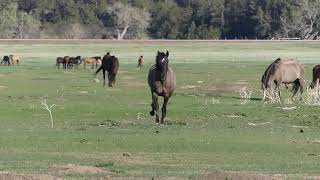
x,y
159,19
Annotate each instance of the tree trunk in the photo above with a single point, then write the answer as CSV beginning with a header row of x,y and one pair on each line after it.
x,y
120,35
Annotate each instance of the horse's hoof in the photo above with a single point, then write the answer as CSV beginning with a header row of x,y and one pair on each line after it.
x,y
152,113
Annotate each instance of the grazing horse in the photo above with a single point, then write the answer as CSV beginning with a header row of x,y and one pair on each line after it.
x,y
75,61
315,76
5,60
140,62
162,81
14,58
96,60
111,65
283,71
59,61
65,62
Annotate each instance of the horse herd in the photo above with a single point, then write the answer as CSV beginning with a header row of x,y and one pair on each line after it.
x,y
162,80
74,62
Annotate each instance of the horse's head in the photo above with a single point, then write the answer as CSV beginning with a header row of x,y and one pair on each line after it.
x,y
162,63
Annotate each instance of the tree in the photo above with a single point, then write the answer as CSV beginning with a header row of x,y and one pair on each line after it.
x,y
73,31
129,18
17,24
302,22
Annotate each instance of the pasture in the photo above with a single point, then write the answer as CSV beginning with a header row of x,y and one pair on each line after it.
x,y
208,129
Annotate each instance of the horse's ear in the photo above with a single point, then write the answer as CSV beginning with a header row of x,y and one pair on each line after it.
x,y
158,52
167,53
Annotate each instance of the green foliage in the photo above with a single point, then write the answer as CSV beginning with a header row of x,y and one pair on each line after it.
x,y
171,19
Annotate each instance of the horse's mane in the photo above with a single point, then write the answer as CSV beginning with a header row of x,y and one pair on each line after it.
x,y
270,71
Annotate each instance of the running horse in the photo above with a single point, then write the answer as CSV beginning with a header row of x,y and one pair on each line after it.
x,y
162,82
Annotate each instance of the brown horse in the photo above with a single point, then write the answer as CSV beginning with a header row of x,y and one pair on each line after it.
x,y
66,62
315,76
162,81
59,61
140,62
283,71
14,58
111,65
91,60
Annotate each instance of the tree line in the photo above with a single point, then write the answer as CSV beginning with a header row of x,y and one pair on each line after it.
x,y
160,19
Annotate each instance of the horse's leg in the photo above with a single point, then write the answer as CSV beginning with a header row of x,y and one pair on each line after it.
x,y
18,62
109,80
104,77
301,83
295,88
84,65
277,89
155,106
164,109
113,79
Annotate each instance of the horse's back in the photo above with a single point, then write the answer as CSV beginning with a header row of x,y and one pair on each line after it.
x,y
89,60
14,57
289,70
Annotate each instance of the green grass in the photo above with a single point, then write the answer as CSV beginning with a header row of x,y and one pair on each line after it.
x,y
95,125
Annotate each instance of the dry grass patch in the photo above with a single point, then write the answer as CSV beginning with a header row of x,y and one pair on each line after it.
x,y
135,84
72,168
225,88
232,175
15,176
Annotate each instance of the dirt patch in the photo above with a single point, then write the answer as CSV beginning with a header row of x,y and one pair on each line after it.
x,y
135,84
225,88
72,168
141,178
222,175
128,77
15,176
68,72
189,87
242,82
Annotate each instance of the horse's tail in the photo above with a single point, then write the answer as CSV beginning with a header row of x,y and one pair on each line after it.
x,y
115,65
100,68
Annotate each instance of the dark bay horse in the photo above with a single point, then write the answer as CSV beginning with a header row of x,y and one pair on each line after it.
x,y
59,61
75,61
162,82
66,62
111,65
315,76
5,60
288,71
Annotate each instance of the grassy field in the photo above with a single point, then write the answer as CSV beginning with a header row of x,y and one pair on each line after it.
x,y
208,128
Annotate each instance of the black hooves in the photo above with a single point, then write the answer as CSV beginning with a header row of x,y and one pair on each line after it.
x,y
152,113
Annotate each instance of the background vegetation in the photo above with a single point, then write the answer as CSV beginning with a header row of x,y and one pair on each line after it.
x,y
160,19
